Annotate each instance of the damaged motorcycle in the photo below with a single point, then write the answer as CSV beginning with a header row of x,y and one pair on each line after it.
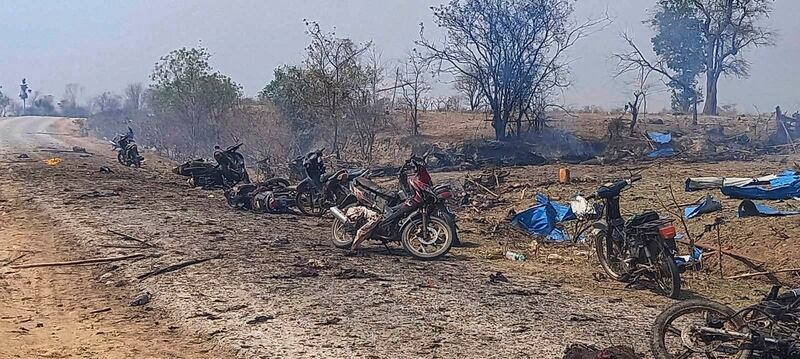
x,y
229,170
642,246
700,328
416,221
320,190
127,150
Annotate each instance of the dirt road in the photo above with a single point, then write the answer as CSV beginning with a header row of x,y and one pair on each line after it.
x,y
277,289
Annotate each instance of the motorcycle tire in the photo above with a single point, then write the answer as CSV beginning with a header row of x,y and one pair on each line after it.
x,y
413,227
613,267
121,158
339,234
305,202
664,326
667,269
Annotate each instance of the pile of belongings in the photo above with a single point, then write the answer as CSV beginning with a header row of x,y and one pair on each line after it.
x,y
542,218
663,147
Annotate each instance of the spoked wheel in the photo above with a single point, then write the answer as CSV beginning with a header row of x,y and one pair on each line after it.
x,y
666,275
341,237
677,332
438,242
121,158
611,260
308,203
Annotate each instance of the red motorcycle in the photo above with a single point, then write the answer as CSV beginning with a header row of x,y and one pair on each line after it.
x,y
414,221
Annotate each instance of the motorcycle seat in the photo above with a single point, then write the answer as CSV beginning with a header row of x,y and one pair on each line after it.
x,y
639,219
374,188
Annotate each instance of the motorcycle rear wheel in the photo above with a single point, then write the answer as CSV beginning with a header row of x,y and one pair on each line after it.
x,y
667,278
307,203
669,339
414,243
121,158
339,236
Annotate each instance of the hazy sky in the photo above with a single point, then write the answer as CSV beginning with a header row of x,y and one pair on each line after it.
x,y
104,44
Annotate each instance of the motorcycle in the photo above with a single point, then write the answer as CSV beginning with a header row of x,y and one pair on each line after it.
x,y
229,170
419,227
246,196
127,150
321,190
702,328
442,209
642,246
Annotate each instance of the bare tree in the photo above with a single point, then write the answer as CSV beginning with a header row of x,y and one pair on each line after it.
x,y
513,49
107,102
634,61
134,96
414,87
470,90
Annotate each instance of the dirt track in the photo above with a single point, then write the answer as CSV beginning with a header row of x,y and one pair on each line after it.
x,y
280,271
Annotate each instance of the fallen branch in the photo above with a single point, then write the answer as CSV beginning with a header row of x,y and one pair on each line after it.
x,y
177,266
725,252
482,187
130,238
83,261
101,310
14,260
763,273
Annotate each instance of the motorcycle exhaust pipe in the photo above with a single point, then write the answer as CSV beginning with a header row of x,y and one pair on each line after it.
x,y
339,215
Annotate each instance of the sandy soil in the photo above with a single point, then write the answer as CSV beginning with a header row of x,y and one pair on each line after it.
x,y
281,290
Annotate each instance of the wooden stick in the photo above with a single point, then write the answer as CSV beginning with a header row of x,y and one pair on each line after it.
x,y
176,266
763,273
725,252
483,188
130,238
83,261
14,260
719,245
101,310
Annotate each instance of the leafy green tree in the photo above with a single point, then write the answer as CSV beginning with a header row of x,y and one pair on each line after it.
x,y
724,28
680,42
186,86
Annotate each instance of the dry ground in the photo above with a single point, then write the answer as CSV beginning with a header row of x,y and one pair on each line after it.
x,y
281,290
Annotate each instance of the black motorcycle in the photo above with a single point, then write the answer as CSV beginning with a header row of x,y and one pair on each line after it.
x,y
642,246
127,150
700,328
321,190
228,172
416,221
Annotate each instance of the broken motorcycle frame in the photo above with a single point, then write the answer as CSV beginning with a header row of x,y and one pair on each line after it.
x,y
321,190
225,175
700,328
642,246
418,225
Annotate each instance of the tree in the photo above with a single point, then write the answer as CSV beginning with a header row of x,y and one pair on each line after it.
x,y
185,86
5,102
134,95
679,41
514,49
69,101
470,90
414,87
727,27
107,102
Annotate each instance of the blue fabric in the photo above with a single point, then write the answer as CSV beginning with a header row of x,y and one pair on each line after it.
x,y
660,138
750,209
785,186
662,152
697,256
542,218
706,205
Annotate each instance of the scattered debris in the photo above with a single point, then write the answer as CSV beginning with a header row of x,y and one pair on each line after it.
x,y
589,351
330,321
514,256
353,273
23,156
581,318
78,149
83,261
141,299
177,266
106,170
260,319
498,278
98,194
101,310
130,238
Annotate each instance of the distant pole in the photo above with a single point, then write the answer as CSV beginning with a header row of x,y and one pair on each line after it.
x,y
23,93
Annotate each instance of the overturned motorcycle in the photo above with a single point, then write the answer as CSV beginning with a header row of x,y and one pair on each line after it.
x,y
415,222
229,170
700,328
271,196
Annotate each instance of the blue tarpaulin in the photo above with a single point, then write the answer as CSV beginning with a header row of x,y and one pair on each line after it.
x,y
705,205
785,185
660,138
542,218
750,209
663,145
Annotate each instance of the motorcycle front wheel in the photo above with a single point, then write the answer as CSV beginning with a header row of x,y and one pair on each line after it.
x,y
676,332
340,236
612,263
121,158
438,243
308,204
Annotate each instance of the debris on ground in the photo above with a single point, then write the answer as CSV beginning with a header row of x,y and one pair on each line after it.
x,y
260,319
106,170
353,273
514,256
704,205
749,208
498,277
141,299
78,149
23,156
